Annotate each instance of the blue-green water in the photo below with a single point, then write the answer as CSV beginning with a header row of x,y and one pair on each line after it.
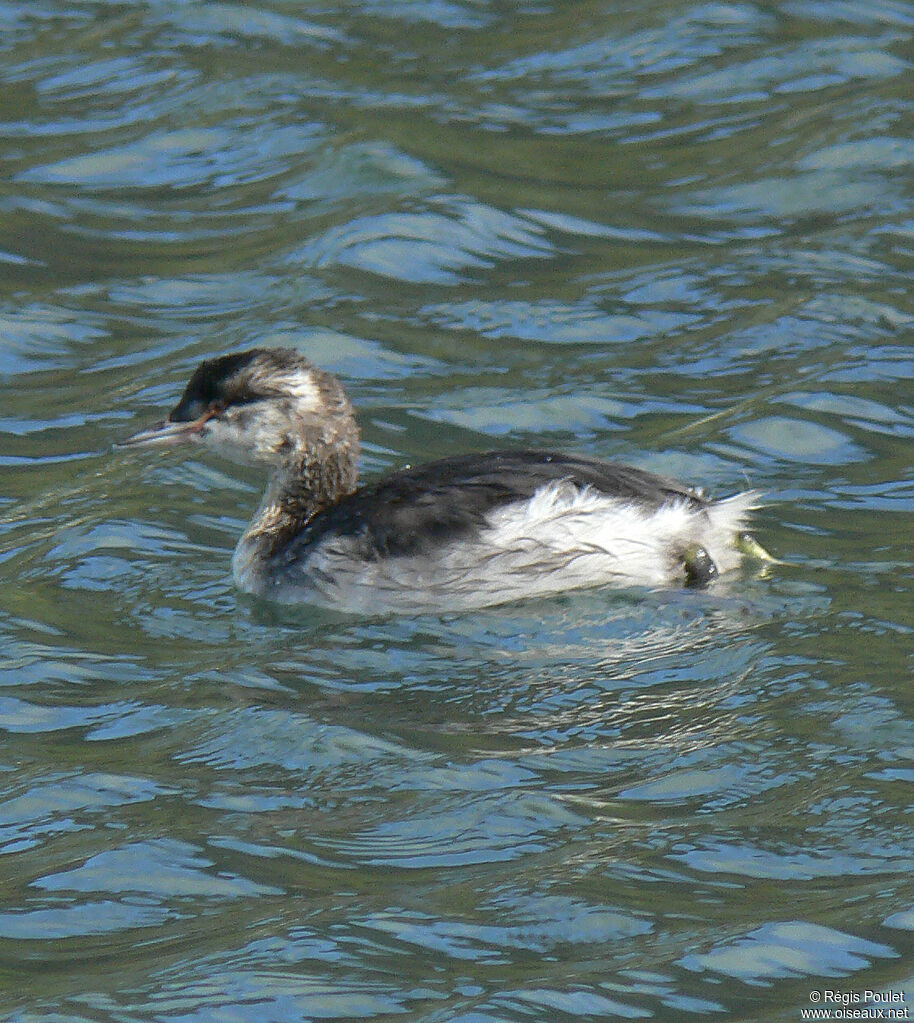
x,y
677,234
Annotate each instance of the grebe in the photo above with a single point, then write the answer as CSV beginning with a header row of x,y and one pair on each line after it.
x,y
457,533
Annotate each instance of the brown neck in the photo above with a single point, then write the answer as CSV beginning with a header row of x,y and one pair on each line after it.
x,y
299,490
313,485
314,478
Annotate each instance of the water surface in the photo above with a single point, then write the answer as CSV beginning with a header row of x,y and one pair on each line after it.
x,y
679,234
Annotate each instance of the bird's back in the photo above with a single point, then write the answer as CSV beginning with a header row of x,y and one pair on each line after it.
x,y
421,507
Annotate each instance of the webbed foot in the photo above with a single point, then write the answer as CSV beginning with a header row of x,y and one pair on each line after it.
x,y
746,544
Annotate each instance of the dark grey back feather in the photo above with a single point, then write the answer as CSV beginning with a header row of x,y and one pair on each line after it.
x,y
419,508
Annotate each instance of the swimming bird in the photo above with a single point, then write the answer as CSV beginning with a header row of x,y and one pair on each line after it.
x,y
465,531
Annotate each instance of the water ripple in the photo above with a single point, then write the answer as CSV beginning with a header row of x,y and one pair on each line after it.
x,y
679,235
789,949
483,829
163,868
427,247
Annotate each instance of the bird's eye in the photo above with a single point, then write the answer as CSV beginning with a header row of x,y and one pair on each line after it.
x,y
215,407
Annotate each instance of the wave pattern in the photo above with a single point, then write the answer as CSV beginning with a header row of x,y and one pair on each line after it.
x,y
679,234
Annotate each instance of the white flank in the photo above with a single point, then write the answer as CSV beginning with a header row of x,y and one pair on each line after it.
x,y
563,538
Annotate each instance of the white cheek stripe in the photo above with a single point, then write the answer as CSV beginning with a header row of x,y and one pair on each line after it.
x,y
302,387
